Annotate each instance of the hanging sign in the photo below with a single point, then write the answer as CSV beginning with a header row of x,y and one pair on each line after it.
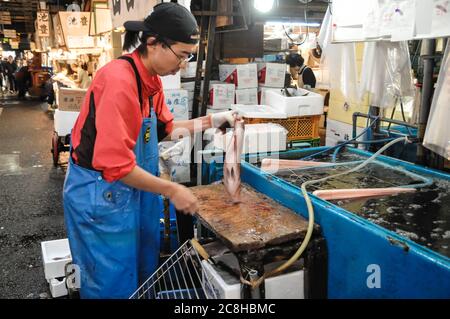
x,y
5,17
43,26
9,33
75,28
125,10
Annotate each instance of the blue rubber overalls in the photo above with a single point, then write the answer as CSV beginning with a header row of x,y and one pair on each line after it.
x,y
113,229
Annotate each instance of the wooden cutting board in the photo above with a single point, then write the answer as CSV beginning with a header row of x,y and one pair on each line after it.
x,y
252,224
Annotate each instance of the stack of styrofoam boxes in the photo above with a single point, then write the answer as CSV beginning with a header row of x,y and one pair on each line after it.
x,y
55,256
175,97
245,79
258,138
271,76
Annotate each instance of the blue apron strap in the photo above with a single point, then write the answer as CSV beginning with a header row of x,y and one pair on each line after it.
x,y
136,74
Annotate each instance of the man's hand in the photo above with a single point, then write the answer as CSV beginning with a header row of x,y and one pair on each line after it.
x,y
224,120
183,199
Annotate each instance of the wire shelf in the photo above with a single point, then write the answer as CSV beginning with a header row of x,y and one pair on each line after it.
x,y
179,277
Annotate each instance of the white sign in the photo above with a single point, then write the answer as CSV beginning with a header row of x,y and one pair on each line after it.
x,y
440,18
43,27
403,20
125,10
9,33
75,27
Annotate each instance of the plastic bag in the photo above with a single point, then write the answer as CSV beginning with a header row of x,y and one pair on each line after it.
x,y
437,134
339,61
386,73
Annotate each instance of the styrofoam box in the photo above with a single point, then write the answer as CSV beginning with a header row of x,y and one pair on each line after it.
x,y
171,82
247,96
244,76
272,74
262,91
177,102
212,111
55,256
70,99
258,111
58,287
337,132
64,121
190,69
303,103
258,138
285,286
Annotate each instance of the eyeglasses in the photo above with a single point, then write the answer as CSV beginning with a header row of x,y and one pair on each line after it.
x,y
181,60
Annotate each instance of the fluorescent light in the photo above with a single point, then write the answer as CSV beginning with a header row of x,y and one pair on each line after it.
x,y
302,24
263,5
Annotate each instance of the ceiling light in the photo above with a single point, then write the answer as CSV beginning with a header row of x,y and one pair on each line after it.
x,y
263,5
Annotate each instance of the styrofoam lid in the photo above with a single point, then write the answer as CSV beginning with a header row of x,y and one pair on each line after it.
x,y
258,111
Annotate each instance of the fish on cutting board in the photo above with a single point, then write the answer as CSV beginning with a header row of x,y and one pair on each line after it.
x,y
272,165
232,165
335,194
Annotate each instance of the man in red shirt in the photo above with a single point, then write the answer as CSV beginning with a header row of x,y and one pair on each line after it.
x,y
111,192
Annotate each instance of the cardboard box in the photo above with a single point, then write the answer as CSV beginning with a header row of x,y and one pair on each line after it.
x,y
70,99
300,103
221,96
171,82
272,74
247,96
276,44
243,76
64,121
190,69
177,102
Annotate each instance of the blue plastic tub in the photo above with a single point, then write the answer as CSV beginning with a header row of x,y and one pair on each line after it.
x,y
365,260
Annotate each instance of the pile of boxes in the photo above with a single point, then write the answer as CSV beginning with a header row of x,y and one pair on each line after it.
x,y
177,99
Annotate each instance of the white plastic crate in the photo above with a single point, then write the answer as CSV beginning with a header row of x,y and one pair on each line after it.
x,y
64,121
302,103
55,255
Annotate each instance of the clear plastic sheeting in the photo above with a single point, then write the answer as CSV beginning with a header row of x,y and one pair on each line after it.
x,y
437,134
386,73
339,60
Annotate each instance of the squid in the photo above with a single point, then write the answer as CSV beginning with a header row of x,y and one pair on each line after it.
x,y
232,165
273,165
353,193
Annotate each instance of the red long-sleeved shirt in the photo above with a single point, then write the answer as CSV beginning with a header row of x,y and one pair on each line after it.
x,y
118,117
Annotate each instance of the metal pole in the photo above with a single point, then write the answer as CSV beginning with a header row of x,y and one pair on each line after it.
x,y
427,51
